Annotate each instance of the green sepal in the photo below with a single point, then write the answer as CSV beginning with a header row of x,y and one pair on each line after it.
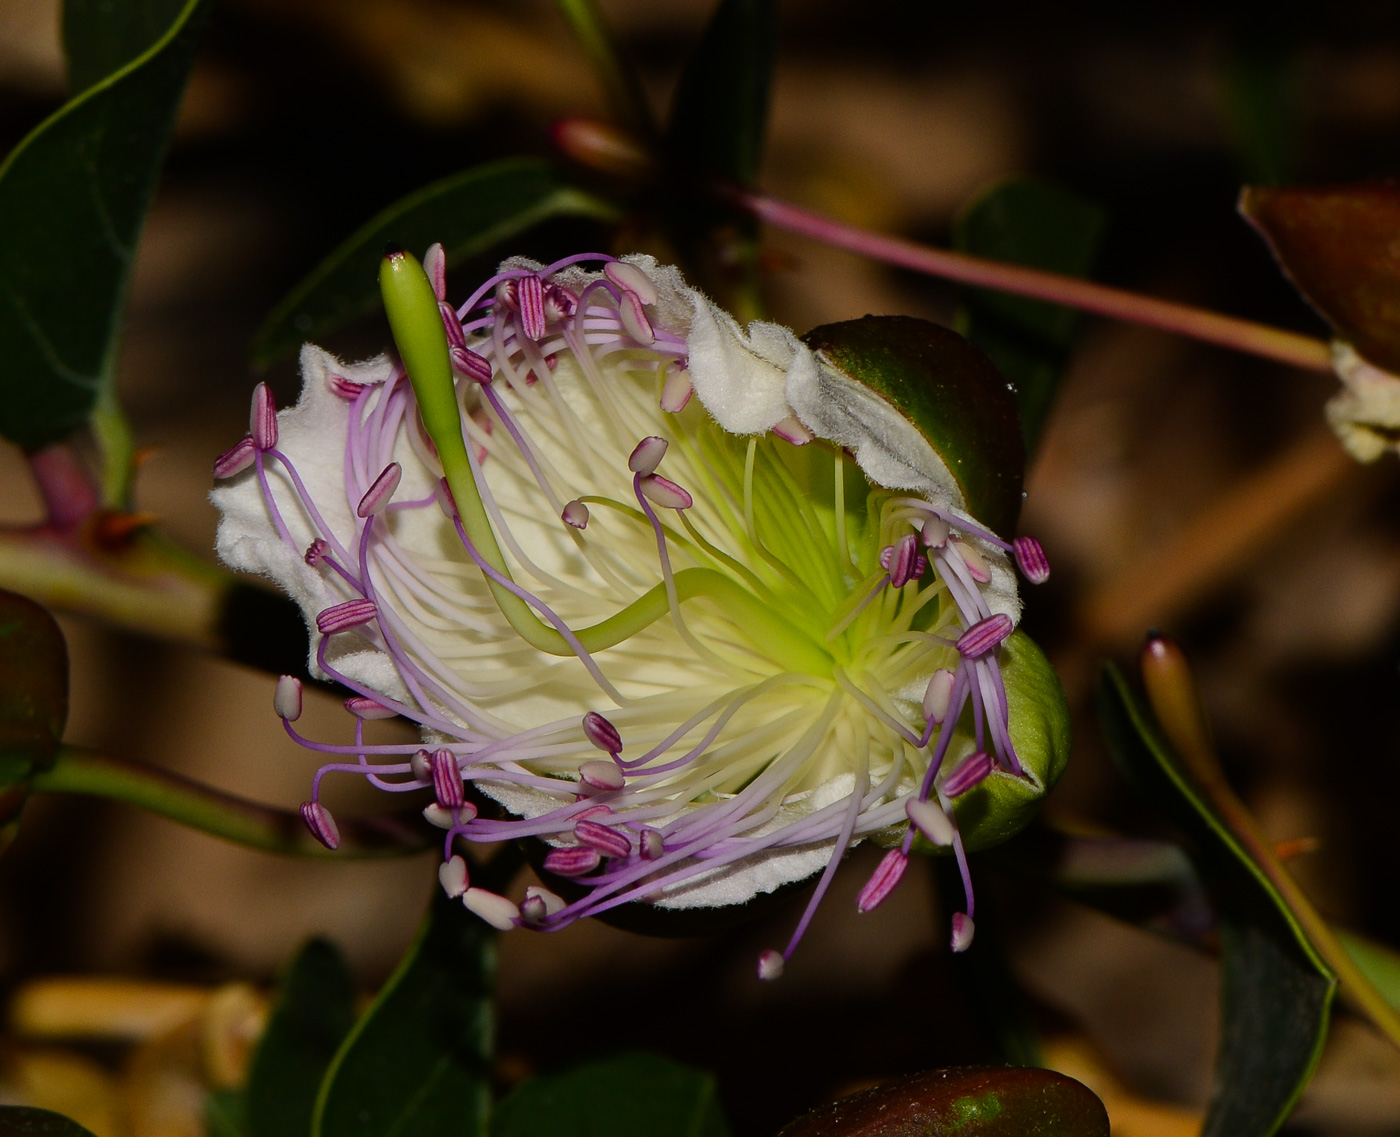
x,y
33,688
1004,804
950,392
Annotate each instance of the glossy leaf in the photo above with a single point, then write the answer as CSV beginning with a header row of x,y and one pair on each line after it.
x,y
74,196
963,1101
315,1010
469,213
719,117
33,687
1276,992
1337,244
22,1121
630,1095
419,1060
1027,221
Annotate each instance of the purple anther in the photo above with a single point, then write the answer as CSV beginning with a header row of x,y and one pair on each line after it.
x,y
770,965
435,265
446,502
676,392
607,840
593,811
286,699
344,388
790,429
322,825
379,493
602,733
934,533
963,931
601,775
560,303
434,814
630,278
421,765
316,552
1031,559
530,297
647,455
453,876
977,566
634,320
930,820
470,365
532,911
971,771
363,707
539,904
262,419
236,458
937,695
343,617
508,294
447,779
886,555
888,873
451,325
651,843
572,861
984,635
665,493
575,513
906,561
492,907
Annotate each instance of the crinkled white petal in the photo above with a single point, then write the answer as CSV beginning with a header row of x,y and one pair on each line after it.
x,y
1365,414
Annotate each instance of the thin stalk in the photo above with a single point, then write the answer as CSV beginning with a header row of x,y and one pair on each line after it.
x,y
620,83
1176,702
1282,346
116,445
77,770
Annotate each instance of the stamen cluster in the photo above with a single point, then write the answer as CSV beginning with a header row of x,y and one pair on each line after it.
x,y
718,678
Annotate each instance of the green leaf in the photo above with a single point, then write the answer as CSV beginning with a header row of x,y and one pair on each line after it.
x,y
1276,991
22,1121
74,195
33,687
964,1101
225,1114
629,1095
468,212
1027,221
719,116
418,1063
1379,963
315,1010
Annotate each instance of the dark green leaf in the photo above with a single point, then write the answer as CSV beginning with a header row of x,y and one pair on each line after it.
x,y
418,1063
964,1101
1261,84
469,213
1027,221
720,113
21,1121
224,1114
630,1095
1276,992
74,195
33,687
315,1010
100,37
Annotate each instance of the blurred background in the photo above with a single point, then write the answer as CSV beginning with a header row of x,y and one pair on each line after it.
x,y
1178,487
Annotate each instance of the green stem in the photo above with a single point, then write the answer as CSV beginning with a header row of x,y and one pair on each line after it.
x,y
117,447
80,771
1286,347
620,83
